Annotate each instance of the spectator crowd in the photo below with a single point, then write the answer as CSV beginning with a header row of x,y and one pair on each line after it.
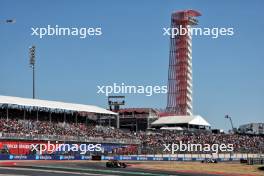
x,y
241,143
149,140
30,127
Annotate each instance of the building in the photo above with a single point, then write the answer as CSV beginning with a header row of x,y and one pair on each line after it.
x,y
252,128
137,119
179,97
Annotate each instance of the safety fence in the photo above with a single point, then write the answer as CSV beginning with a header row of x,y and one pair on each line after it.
x,y
253,161
131,157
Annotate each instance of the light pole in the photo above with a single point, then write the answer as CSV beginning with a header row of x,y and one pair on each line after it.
x,y
228,117
32,61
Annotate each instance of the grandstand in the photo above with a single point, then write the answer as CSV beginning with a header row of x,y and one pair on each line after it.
x,y
53,111
29,121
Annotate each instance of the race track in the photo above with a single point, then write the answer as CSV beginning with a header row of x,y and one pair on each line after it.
x,y
59,168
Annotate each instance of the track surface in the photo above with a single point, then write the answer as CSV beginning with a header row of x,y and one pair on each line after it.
x,y
51,168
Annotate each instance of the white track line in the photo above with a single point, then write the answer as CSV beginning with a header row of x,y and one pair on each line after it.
x,y
52,171
11,175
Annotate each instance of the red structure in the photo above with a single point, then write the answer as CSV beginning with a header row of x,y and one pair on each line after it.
x,y
179,100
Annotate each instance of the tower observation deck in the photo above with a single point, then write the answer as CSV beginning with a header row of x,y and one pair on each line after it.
x,y
179,96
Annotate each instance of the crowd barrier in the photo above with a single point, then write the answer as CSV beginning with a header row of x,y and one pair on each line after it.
x,y
253,161
127,158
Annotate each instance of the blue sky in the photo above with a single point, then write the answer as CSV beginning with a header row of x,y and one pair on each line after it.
x,y
227,72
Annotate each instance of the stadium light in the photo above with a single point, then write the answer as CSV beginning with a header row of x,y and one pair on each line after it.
x,y
32,61
228,117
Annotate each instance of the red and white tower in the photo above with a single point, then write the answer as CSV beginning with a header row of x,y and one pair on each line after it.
x,y
179,100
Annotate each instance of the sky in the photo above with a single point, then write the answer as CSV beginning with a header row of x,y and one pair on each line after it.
x,y
227,71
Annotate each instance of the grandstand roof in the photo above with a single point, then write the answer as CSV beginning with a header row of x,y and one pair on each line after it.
x,y
53,105
191,120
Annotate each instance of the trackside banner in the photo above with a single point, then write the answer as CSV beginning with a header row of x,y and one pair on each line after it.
x,y
84,157
57,148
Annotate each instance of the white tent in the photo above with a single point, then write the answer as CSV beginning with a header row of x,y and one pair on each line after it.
x,y
53,105
174,120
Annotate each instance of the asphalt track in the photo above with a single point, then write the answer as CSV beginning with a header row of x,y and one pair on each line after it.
x,y
80,168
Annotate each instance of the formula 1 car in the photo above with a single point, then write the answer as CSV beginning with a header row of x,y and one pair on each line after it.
x,y
210,160
115,164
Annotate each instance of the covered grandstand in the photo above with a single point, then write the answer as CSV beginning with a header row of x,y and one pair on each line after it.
x,y
52,105
37,109
24,119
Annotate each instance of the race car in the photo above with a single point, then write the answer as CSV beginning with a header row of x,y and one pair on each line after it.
x,y
209,160
115,164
